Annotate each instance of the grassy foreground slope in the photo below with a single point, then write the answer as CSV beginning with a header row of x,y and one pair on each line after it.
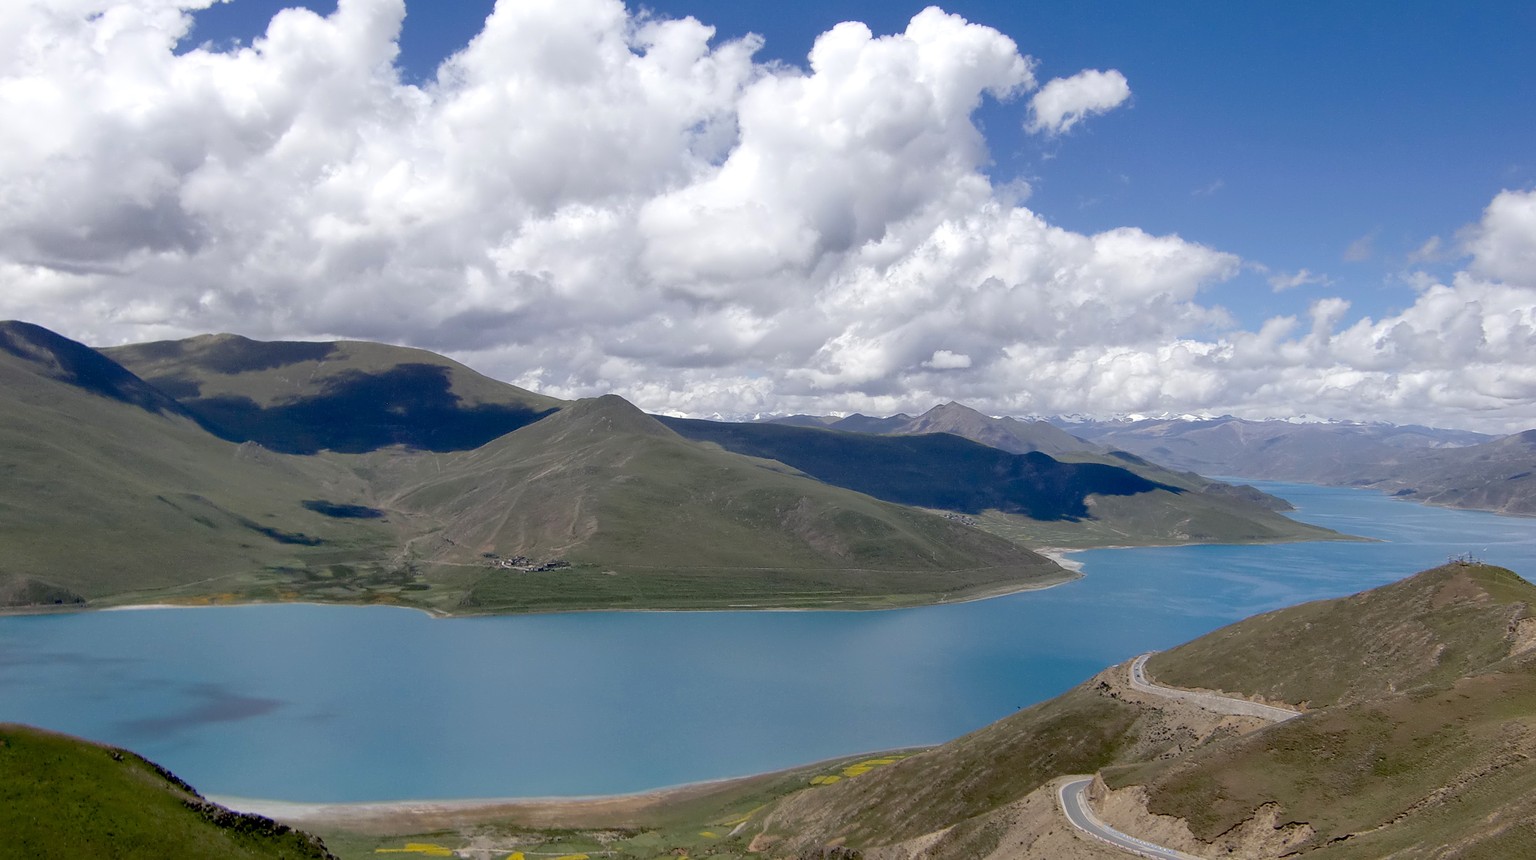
x,y
1419,741
652,519
1424,746
64,797
107,486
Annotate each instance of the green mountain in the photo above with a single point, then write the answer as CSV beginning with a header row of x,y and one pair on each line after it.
x,y
1023,437
650,518
115,493
350,397
110,487
346,396
935,471
1416,740
65,797
1028,497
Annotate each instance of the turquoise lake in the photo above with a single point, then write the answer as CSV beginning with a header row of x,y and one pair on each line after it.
x,y
319,703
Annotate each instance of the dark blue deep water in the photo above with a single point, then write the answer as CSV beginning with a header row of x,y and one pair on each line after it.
x,y
312,703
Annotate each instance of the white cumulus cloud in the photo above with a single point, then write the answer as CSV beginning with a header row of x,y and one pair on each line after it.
x,y
943,359
1503,245
1065,102
587,199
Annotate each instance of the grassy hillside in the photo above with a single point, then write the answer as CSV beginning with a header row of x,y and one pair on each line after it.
x,y
1425,746
1425,631
347,396
1025,497
935,470
64,797
1444,774
1419,740
410,479
110,488
652,519
116,492
1078,732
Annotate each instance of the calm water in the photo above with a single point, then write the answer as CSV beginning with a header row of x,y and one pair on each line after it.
x,y
318,703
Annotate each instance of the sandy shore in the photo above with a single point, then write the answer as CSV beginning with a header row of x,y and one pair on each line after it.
x,y
419,814
1060,556
618,810
141,607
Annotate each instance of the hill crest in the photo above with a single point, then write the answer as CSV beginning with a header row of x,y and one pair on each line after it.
x,y
56,357
302,397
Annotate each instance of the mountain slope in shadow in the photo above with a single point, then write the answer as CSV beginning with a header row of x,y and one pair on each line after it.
x,y
937,470
347,397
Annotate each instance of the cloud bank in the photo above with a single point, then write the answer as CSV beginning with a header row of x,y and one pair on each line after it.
x,y
587,199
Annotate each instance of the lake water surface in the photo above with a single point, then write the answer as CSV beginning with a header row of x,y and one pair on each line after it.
x,y
319,703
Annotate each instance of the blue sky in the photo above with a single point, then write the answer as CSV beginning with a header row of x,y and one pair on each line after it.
x,y
1282,132
1035,208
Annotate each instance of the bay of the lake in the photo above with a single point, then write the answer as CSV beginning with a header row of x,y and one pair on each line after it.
x,y
332,703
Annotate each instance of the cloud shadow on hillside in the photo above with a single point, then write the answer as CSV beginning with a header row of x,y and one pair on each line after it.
x,y
936,470
412,405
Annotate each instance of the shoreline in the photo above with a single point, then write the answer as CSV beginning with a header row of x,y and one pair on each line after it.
x,y
1072,569
393,812
1060,555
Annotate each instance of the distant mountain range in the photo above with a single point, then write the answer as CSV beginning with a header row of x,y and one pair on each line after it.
x,y
1456,468
957,459
1008,434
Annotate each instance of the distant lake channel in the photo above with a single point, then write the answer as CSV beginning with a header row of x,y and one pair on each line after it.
x,y
332,704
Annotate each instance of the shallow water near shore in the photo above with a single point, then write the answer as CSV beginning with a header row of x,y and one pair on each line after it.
x,y
336,704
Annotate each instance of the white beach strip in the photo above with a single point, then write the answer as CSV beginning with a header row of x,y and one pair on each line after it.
x,y
1061,557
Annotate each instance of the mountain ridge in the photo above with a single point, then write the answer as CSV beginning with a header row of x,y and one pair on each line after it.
x,y
117,494
301,397
1441,467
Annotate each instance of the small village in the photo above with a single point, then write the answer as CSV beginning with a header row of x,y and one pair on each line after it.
x,y
524,564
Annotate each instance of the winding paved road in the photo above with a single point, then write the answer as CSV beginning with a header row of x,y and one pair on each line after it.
x,y
1074,802
1073,794
1209,701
